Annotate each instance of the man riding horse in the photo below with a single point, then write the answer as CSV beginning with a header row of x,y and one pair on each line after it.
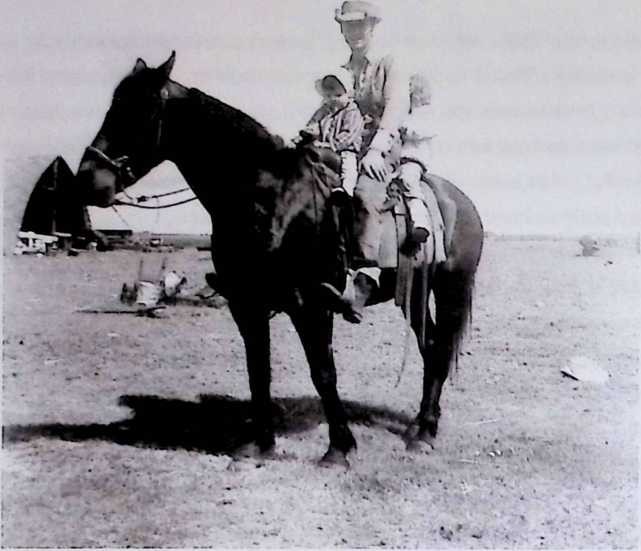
x,y
381,91
270,209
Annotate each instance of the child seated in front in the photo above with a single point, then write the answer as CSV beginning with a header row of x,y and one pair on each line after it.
x,y
338,124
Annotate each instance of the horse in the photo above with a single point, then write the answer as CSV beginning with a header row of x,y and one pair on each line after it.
x,y
272,239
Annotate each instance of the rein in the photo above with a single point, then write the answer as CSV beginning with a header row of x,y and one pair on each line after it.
x,y
145,198
120,166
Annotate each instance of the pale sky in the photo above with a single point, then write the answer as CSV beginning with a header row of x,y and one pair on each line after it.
x,y
537,103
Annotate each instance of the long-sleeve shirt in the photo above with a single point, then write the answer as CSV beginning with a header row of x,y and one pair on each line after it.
x,y
381,90
342,130
416,136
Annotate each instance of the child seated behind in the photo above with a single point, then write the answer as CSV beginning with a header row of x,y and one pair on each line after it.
x,y
338,124
417,134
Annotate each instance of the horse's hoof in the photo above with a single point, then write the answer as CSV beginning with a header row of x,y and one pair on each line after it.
x,y
251,450
419,440
419,445
334,458
411,433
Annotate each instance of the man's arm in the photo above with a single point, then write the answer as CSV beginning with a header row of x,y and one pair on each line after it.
x,y
397,103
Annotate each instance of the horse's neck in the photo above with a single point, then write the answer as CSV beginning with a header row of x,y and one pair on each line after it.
x,y
217,148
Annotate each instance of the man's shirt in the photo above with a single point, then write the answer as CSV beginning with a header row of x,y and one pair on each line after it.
x,y
381,90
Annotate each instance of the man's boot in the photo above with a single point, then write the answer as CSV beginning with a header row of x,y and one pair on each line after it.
x,y
364,286
358,289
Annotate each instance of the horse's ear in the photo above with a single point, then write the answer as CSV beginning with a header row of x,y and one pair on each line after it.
x,y
139,66
167,66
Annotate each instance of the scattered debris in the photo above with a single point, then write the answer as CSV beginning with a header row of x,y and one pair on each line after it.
x,y
35,243
122,309
589,245
481,422
63,240
584,369
149,294
446,533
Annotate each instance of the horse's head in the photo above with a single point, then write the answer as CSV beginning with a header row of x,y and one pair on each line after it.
x,y
129,142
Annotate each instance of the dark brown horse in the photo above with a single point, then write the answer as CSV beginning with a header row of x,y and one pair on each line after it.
x,y
273,237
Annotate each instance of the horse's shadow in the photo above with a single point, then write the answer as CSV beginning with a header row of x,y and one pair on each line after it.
x,y
214,424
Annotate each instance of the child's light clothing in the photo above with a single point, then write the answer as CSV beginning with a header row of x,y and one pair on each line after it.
x,y
416,139
416,154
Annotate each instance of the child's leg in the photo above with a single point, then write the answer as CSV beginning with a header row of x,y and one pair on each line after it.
x,y
349,171
411,177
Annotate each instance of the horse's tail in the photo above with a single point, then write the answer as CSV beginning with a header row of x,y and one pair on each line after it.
x,y
466,318
455,282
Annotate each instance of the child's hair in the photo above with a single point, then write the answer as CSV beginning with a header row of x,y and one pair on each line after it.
x,y
420,92
338,80
331,84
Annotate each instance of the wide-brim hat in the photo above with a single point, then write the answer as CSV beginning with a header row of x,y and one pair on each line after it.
x,y
357,10
342,75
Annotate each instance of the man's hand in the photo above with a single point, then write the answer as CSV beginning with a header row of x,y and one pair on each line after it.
x,y
373,165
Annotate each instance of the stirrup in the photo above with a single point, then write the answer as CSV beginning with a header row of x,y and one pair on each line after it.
x,y
342,305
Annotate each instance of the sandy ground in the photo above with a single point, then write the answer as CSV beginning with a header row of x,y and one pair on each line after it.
x,y
116,427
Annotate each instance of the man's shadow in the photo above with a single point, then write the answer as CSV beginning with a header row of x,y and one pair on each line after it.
x,y
214,424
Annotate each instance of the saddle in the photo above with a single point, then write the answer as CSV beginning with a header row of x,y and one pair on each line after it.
x,y
396,251
397,225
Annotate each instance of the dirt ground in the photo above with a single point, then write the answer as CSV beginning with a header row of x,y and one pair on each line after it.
x,y
116,427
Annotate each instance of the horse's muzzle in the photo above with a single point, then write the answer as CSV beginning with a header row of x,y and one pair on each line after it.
x,y
96,187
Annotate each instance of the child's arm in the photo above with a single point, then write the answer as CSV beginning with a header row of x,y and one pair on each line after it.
x,y
318,115
349,135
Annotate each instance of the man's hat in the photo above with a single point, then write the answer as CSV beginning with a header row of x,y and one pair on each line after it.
x,y
357,10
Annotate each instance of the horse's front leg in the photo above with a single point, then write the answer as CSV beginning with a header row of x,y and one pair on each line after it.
x,y
314,326
253,323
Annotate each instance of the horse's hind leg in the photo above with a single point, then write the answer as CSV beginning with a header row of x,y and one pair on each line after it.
x,y
452,293
314,326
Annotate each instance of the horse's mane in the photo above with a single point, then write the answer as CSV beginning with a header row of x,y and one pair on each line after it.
x,y
246,126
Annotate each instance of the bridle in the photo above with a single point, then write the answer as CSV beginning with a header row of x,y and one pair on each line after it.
x,y
121,166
